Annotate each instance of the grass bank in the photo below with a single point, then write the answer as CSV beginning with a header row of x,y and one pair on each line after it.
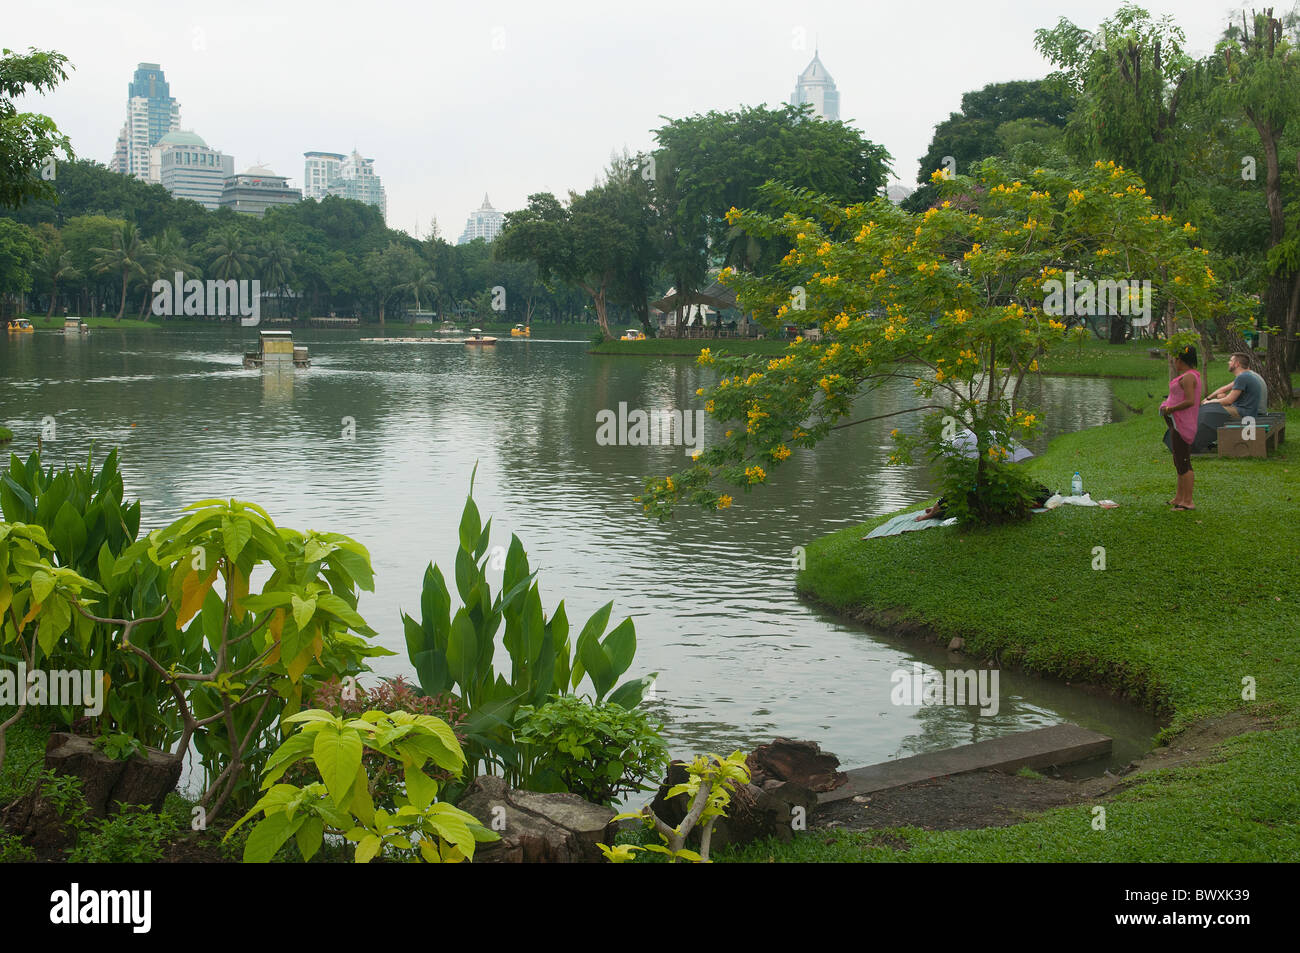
x,y
1189,605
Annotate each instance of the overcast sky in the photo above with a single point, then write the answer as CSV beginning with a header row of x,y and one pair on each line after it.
x,y
453,100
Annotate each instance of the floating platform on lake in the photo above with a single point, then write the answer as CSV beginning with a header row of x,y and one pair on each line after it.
x,y
1039,748
275,349
419,340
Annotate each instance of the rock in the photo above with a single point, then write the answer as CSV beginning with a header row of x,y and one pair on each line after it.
x,y
536,828
800,762
770,805
957,644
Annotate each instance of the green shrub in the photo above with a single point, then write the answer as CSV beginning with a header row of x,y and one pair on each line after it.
x,y
135,836
14,851
597,751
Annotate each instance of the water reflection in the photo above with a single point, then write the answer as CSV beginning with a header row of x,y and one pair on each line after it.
x,y
741,657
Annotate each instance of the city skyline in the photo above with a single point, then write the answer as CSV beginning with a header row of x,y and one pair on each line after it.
x,y
461,111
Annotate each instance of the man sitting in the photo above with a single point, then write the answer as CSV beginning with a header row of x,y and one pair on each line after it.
x,y
1246,396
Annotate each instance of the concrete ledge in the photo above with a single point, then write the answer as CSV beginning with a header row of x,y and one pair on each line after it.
x,y
1039,748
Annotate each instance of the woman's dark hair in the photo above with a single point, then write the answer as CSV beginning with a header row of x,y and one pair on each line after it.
x,y
1187,355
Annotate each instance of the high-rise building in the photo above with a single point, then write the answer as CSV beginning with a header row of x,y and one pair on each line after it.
x,y
189,169
320,169
484,222
816,86
151,113
348,177
253,191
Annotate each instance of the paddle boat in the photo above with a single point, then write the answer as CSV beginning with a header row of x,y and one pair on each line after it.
x,y
20,326
633,334
75,326
476,337
521,331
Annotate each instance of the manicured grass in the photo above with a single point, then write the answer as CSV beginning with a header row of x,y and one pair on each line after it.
x,y
1189,604
675,347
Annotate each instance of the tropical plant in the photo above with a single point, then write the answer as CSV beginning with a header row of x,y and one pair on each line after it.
x,y
256,653
419,828
457,651
37,600
708,787
600,752
129,255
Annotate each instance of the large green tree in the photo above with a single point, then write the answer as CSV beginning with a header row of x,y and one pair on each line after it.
x,y
708,164
28,141
993,121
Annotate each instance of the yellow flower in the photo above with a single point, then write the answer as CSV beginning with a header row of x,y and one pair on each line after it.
x,y
699,392
708,407
781,452
755,474
668,483
894,432
1076,196
695,456
705,358
1033,366
724,501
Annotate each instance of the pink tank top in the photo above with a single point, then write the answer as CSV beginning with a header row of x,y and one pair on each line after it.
x,y
1185,419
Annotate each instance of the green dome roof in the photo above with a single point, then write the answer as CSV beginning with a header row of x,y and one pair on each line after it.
x,y
182,138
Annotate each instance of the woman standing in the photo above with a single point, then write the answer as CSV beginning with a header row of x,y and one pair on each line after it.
x,y
1180,411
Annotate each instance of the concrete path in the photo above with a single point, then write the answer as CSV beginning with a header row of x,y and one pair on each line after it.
x,y
1039,748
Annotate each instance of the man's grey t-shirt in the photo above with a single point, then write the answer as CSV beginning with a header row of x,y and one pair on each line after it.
x,y
1251,386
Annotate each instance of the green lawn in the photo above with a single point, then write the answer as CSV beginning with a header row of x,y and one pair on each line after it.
x,y
1027,595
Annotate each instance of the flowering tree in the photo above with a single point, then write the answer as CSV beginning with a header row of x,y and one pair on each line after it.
x,y
961,301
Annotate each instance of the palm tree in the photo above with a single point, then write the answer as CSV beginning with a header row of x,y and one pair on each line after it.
x,y
56,266
230,258
422,281
129,255
276,259
170,255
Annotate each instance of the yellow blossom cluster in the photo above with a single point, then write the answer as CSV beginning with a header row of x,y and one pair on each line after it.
x,y
780,363
781,452
1076,196
706,358
755,415
724,501
733,215
973,253
755,474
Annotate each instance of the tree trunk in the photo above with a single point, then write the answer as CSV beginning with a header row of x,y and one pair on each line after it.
x,y
54,297
121,309
1277,294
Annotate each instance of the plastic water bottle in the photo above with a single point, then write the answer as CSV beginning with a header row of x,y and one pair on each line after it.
x,y
1076,485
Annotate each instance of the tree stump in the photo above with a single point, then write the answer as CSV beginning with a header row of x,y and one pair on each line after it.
x,y
536,828
144,780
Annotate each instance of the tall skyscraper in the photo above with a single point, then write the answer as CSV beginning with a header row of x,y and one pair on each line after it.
x,y
348,177
151,113
189,169
485,222
816,86
320,169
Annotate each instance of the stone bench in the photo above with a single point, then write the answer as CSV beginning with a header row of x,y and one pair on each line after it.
x,y
1270,432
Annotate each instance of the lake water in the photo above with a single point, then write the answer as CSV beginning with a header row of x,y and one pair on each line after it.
x,y
741,658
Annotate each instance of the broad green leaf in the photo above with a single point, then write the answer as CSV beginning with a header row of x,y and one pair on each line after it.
x,y
338,758
267,838
235,534
310,836
303,610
